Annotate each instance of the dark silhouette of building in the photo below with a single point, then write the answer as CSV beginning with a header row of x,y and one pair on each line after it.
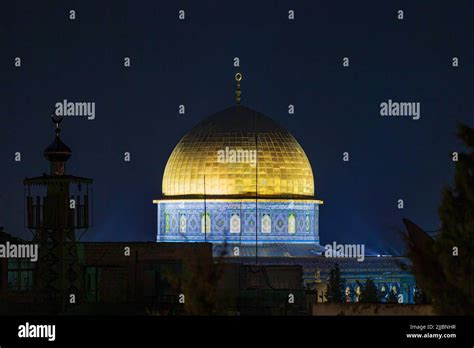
x,y
57,206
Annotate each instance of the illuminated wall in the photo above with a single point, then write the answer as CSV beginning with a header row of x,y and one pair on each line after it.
x,y
235,221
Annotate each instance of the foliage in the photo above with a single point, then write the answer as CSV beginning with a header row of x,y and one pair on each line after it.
x,y
335,286
444,266
369,292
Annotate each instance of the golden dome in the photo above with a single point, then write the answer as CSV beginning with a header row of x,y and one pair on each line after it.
x,y
218,157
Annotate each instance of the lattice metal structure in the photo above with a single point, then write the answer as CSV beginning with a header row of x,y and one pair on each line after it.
x,y
57,206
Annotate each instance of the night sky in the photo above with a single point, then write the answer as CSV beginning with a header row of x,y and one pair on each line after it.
x,y
284,62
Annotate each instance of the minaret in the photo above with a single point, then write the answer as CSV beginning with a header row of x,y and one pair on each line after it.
x,y
56,206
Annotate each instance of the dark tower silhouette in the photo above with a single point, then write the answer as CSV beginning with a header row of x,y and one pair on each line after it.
x,y
57,205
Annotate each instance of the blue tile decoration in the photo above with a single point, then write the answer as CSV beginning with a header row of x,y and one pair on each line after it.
x,y
220,213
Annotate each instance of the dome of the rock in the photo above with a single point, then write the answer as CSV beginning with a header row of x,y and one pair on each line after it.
x,y
235,153
238,177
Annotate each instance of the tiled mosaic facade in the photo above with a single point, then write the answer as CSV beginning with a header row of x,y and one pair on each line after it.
x,y
238,221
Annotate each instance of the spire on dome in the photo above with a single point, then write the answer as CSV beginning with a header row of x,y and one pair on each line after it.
x,y
238,93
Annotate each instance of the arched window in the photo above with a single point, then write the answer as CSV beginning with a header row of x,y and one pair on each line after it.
x,y
266,223
358,291
234,223
291,223
182,223
348,294
206,223
167,222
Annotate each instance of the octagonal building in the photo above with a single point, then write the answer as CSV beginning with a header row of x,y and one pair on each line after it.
x,y
238,178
